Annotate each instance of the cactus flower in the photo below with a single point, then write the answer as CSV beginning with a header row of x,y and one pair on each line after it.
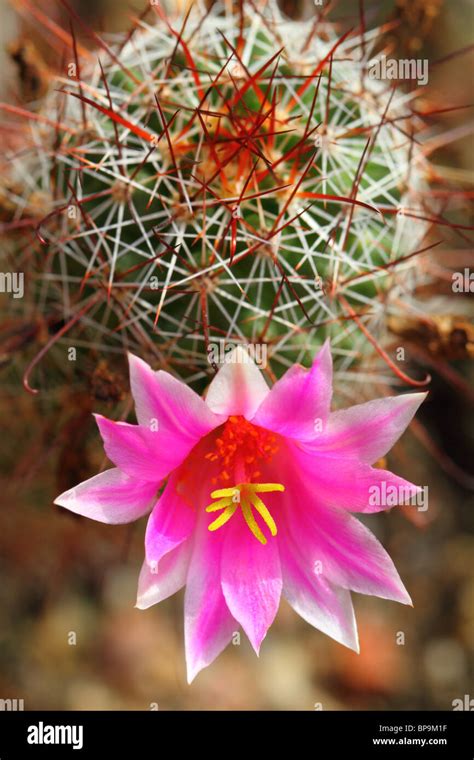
x,y
251,493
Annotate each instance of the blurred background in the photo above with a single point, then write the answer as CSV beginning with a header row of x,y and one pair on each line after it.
x,y
70,637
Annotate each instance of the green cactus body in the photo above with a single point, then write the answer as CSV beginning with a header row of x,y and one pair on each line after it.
x,y
239,180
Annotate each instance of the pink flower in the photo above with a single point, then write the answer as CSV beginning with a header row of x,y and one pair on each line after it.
x,y
259,487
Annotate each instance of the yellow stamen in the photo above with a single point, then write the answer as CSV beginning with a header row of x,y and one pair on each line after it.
x,y
244,494
264,514
224,517
224,492
216,505
267,487
251,522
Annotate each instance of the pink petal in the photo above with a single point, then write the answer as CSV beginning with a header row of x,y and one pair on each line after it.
x,y
159,583
142,453
251,579
160,397
170,523
238,387
317,601
298,404
208,624
368,431
356,486
337,547
110,497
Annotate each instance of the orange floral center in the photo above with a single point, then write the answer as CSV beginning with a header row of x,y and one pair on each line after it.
x,y
240,450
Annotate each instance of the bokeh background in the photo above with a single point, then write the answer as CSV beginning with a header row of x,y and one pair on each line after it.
x,y
70,637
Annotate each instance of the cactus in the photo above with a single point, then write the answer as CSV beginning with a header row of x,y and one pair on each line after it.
x,y
226,176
